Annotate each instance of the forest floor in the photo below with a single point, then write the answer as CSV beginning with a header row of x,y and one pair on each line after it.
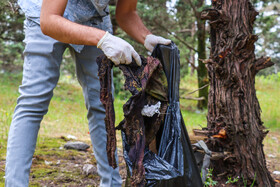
x,y
55,166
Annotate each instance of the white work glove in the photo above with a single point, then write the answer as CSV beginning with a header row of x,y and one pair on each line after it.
x,y
118,50
151,41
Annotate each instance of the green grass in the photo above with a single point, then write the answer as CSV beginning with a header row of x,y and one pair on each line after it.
x,y
268,90
193,118
8,95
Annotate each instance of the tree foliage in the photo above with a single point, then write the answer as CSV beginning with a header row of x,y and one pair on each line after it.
x,y
11,35
268,28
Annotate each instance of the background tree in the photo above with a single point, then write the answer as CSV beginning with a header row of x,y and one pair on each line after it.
x,y
268,29
202,78
234,122
11,35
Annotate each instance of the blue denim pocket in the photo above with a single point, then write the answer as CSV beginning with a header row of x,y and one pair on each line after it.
x,y
37,46
40,47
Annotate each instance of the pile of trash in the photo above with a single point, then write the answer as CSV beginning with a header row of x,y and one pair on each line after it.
x,y
156,144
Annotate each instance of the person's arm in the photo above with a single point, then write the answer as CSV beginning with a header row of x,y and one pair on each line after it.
x,y
131,23
56,26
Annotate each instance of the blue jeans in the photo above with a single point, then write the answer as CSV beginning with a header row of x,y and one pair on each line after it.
x,y
42,59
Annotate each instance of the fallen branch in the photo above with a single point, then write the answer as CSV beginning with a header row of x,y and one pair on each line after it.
x,y
219,155
195,139
198,89
193,98
199,132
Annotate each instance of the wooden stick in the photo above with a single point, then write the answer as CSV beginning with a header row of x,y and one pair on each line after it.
x,y
193,98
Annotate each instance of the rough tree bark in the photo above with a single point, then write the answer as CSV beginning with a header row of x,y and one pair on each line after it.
x,y
234,123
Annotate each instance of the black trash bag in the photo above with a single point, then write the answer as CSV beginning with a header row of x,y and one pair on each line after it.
x,y
174,165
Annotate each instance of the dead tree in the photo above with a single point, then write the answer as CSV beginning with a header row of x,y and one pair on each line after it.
x,y
234,121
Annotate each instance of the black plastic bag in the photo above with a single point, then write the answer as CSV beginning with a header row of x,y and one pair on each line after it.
x,y
174,165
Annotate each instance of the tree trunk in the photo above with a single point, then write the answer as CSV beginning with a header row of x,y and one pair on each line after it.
x,y
113,17
201,69
234,122
192,53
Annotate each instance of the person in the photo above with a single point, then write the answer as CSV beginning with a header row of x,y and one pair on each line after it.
x,y
85,28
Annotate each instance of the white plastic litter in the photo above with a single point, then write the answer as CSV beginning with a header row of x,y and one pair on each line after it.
x,y
48,163
69,136
271,156
150,110
276,172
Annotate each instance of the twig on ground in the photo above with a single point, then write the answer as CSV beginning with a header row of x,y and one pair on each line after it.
x,y
198,89
193,98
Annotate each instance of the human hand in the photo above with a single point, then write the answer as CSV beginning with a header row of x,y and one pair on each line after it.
x,y
151,41
118,50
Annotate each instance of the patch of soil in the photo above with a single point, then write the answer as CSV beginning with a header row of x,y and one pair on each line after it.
x,y
67,169
60,167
